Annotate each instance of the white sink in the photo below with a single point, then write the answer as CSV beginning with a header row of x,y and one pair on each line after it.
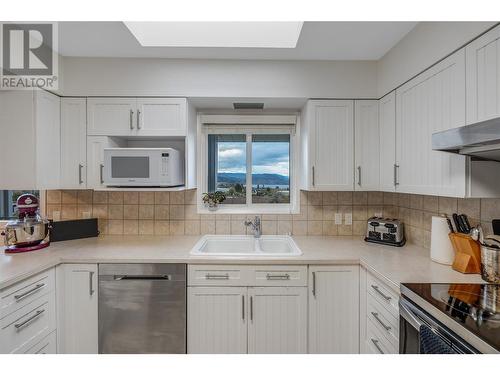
x,y
222,245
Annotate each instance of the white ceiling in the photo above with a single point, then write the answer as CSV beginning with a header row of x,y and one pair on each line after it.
x,y
317,41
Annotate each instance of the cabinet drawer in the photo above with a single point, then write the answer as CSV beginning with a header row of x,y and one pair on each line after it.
x,y
228,275
383,294
279,276
376,343
48,345
27,325
21,294
387,323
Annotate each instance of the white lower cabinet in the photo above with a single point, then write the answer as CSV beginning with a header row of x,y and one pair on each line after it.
x,y
28,315
334,309
77,297
238,320
217,321
379,312
247,317
278,320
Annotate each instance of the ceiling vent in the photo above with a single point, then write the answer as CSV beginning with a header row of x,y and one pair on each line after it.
x,y
248,105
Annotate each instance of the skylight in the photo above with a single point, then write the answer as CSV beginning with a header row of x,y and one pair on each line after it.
x,y
216,34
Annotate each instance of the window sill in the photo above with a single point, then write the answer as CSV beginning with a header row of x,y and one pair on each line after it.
x,y
240,210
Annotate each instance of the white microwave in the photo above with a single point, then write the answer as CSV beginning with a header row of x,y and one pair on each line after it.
x,y
143,167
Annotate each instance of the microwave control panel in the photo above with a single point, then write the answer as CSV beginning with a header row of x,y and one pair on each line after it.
x,y
164,163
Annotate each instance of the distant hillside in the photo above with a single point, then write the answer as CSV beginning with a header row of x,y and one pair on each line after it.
x,y
261,178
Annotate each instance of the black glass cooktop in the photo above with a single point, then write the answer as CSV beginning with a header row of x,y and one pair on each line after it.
x,y
475,306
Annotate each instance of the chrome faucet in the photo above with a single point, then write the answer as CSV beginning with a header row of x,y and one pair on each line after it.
x,y
257,229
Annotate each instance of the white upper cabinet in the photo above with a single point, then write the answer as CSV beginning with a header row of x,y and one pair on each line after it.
x,y
136,117
111,116
73,143
327,135
431,102
161,116
366,145
333,309
95,158
387,142
277,320
30,140
47,130
483,77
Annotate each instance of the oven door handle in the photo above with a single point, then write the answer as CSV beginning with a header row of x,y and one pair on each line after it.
x,y
409,316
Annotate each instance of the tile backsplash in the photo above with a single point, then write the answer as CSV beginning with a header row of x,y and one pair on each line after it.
x,y
175,213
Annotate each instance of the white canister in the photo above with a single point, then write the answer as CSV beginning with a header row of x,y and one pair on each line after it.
x,y
441,247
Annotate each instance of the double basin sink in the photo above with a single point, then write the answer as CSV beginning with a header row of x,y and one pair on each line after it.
x,y
231,245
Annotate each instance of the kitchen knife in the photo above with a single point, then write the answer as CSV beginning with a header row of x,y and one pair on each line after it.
x,y
465,223
449,224
496,226
457,224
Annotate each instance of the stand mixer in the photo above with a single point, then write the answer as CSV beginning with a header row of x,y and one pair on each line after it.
x,y
31,231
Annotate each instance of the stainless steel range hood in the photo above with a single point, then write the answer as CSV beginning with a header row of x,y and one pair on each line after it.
x,y
481,140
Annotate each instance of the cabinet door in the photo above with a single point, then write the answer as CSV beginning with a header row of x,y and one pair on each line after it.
x,y
95,161
366,145
47,135
431,102
77,326
387,142
277,320
483,77
217,320
161,116
73,143
334,309
331,144
111,116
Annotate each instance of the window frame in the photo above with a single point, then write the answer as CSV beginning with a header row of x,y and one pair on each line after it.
x,y
248,125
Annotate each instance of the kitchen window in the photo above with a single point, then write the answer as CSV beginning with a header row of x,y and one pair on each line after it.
x,y
253,164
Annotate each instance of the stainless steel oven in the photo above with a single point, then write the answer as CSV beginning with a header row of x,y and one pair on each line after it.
x,y
421,333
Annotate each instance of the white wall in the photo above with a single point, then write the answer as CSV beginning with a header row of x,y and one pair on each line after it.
x,y
219,78
427,43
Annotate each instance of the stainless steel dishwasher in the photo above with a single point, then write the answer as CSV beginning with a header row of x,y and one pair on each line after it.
x,y
142,308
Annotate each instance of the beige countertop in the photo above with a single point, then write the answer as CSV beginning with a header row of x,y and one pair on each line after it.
x,y
407,264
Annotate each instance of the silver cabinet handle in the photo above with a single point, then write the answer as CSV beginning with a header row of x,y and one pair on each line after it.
x,y
209,276
138,119
375,315
314,284
396,182
375,342
278,277
359,175
377,289
80,179
101,173
19,297
243,307
313,179
131,120
251,308
29,320
91,282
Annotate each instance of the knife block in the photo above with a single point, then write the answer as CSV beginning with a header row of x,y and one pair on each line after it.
x,y
467,253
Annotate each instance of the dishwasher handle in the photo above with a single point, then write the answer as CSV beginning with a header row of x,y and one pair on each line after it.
x,y
142,277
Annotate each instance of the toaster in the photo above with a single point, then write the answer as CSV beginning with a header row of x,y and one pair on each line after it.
x,y
385,231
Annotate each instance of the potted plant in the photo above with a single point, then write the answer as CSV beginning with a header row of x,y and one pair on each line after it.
x,y
212,200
